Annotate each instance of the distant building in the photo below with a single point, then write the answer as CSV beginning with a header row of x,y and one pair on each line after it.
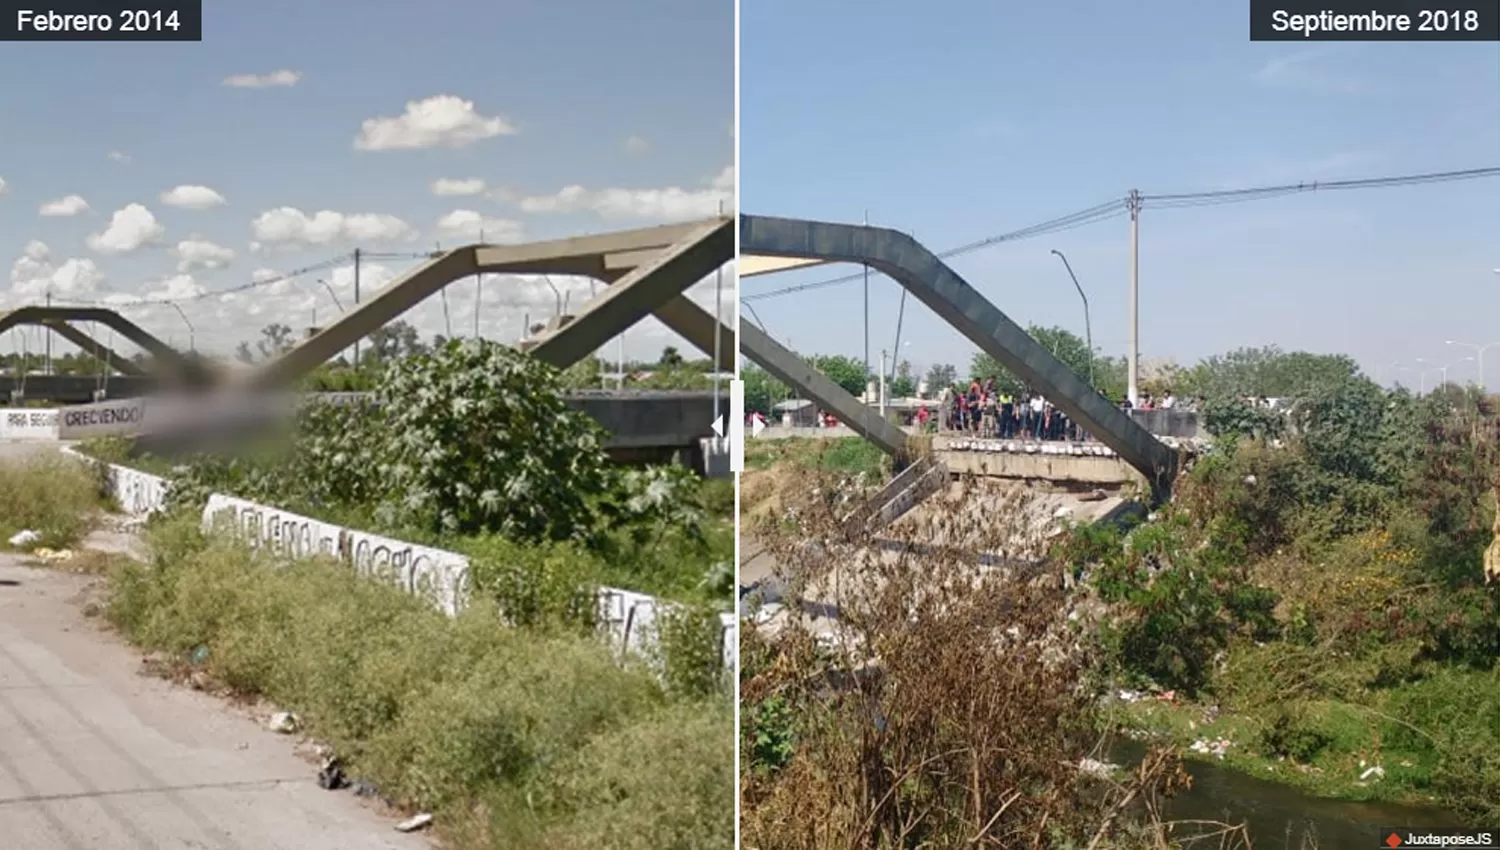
x,y
795,413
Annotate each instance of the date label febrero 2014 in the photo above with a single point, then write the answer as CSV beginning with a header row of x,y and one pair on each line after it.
x,y
120,20
1381,20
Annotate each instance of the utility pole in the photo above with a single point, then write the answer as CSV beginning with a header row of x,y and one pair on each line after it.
x,y
867,308
356,305
47,332
1133,203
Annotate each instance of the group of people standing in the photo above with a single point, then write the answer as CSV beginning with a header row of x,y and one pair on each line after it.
x,y
983,410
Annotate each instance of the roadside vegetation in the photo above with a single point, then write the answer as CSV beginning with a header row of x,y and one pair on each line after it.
x,y
468,447
1319,583
514,723
49,494
1311,609
531,734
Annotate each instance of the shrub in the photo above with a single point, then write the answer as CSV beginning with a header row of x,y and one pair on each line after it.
x,y
514,736
479,440
50,494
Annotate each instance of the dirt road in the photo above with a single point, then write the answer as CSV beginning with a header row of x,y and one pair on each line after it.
x,y
95,755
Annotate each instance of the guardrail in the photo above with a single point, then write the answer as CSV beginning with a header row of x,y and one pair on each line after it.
x,y
627,619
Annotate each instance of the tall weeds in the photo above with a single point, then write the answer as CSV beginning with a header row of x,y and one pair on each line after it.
x,y
928,689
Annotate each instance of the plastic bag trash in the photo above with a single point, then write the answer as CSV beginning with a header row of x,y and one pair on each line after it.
x,y
22,539
414,823
199,655
284,722
365,788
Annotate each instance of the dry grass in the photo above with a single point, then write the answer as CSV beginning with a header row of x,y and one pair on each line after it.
x,y
945,706
52,494
513,737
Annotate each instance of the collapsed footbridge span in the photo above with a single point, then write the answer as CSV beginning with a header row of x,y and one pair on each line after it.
x,y
770,245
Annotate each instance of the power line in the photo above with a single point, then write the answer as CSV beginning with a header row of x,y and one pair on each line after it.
x,y
1113,209
245,287
1092,215
1263,192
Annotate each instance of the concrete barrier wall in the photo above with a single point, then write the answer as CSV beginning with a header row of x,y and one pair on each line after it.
x,y
627,619
22,423
1181,424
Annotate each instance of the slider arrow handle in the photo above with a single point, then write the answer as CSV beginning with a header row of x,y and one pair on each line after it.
x,y
719,427
736,426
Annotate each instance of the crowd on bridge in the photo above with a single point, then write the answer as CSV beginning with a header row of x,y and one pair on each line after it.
x,y
982,410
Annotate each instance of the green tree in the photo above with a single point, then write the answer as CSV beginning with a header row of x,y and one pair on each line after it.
x,y
844,371
941,375
903,385
395,340
1268,372
586,374
679,377
275,340
478,437
671,358
1062,343
761,390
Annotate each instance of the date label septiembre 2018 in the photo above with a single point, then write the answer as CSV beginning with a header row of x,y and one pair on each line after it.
x,y
119,20
1374,20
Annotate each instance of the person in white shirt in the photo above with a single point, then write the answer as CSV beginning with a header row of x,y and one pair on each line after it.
x,y
1169,402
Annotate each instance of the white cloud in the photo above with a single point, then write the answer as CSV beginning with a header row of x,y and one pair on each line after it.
x,y
193,197
3,187
1308,70
636,145
470,225
174,288
64,207
440,121
290,225
275,79
129,229
372,277
201,254
671,203
34,274
116,156
446,188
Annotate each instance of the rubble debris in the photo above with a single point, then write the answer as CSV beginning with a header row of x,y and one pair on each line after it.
x,y
1216,748
364,788
1094,767
414,823
23,539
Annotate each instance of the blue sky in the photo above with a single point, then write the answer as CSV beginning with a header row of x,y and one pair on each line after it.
x,y
288,109
961,120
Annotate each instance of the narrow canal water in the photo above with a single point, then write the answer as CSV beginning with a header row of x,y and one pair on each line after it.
x,y
1280,817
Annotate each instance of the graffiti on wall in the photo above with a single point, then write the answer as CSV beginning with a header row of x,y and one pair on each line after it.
x,y
627,619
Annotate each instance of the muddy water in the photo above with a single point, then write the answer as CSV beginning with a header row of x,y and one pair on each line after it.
x,y
1279,816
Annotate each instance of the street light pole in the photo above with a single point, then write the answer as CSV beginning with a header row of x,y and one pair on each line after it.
x,y
1479,351
1088,328
192,332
